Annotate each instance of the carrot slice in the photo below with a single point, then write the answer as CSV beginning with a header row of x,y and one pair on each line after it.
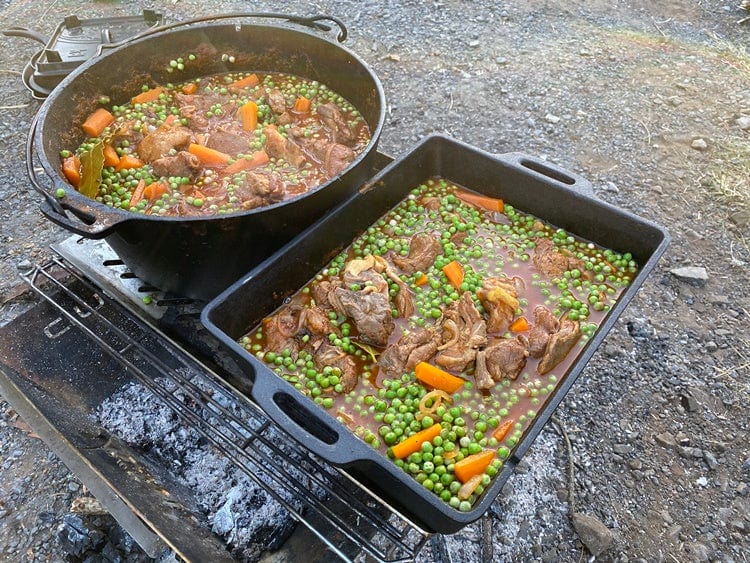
x,y
421,280
519,325
485,202
256,159
208,156
148,96
97,122
248,113
473,465
71,168
248,82
414,442
437,378
128,161
455,273
111,158
502,431
190,88
302,105
154,191
138,193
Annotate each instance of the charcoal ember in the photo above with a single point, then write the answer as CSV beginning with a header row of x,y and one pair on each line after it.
x,y
75,538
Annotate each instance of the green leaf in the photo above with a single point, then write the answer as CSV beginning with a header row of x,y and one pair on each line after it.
x,y
367,348
92,164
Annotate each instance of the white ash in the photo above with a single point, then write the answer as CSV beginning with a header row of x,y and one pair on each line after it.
x,y
247,518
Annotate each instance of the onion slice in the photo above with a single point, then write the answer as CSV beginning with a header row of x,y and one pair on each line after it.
x,y
469,487
438,395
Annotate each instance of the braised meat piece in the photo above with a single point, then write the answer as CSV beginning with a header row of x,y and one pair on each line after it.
x,y
328,355
553,262
333,156
321,290
369,306
463,333
503,358
423,249
126,134
335,121
499,297
545,323
259,188
559,345
412,347
183,164
431,203
223,139
276,101
315,322
281,330
163,140
195,107
278,146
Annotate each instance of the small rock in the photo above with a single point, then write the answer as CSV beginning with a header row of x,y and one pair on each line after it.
x,y
550,118
666,439
695,275
595,536
622,449
635,464
24,265
474,43
701,481
699,144
698,552
711,347
689,403
743,122
657,189
612,187
501,61
710,460
73,486
737,525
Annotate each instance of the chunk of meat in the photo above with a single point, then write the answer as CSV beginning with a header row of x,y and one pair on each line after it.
x,y
315,322
412,347
431,203
334,120
369,310
229,142
260,188
552,262
328,355
559,345
336,158
281,330
183,164
464,332
545,323
504,358
125,134
499,297
276,101
163,140
423,249
278,146
194,108
321,290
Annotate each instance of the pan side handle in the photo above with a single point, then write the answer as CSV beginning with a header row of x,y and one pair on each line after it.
x,y
549,171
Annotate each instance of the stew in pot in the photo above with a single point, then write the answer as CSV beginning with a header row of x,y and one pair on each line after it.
x,y
215,145
439,333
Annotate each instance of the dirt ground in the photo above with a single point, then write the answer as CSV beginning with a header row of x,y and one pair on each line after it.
x,y
650,101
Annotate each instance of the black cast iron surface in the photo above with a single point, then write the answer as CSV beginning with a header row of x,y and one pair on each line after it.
x,y
530,185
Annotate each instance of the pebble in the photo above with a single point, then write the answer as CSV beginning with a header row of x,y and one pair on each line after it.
x,y
699,144
595,536
743,122
73,486
689,403
710,460
501,61
666,439
695,275
622,449
550,118
24,265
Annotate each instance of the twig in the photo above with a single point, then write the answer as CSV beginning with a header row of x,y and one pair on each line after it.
x,y
648,132
571,477
9,71
19,106
487,548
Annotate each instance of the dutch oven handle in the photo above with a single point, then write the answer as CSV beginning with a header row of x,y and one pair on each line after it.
x,y
88,222
301,418
549,171
313,22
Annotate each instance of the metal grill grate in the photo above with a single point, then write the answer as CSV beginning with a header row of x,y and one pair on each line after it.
x,y
349,519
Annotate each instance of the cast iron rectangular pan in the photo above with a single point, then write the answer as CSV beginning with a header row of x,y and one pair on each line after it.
x,y
529,184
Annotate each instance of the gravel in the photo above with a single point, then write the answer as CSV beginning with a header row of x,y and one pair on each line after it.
x,y
620,93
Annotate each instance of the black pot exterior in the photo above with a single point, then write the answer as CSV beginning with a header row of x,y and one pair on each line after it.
x,y
199,257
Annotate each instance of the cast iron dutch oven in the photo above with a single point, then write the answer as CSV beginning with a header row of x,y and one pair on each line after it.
x,y
199,257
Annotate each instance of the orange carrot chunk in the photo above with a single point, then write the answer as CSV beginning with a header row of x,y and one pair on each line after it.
x,y
414,442
248,113
128,161
71,168
97,122
190,88
256,159
437,378
208,156
455,273
111,158
302,105
502,431
519,325
248,82
485,202
473,465
148,96
154,191
421,280
138,193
